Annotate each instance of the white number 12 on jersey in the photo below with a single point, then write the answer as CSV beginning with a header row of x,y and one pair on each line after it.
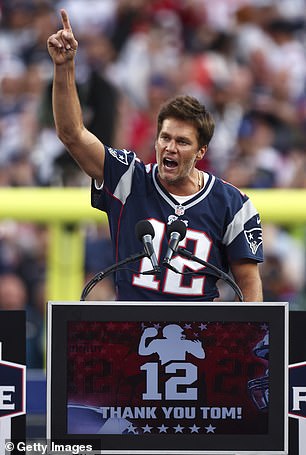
x,y
173,281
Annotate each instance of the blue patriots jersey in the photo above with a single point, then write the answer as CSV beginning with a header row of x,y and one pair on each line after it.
x,y
222,226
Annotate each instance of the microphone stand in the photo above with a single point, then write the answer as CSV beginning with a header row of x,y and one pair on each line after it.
x,y
112,268
136,257
217,272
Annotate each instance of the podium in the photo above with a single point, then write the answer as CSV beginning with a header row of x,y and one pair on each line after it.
x,y
168,378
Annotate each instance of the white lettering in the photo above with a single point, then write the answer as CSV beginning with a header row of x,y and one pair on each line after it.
x,y
298,397
138,412
35,447
167,412
179,412
6,398
221,413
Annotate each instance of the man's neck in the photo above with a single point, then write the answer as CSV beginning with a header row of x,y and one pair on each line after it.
x,y
185,188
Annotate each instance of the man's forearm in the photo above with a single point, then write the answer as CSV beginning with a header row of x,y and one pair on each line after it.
x,y
246,274
66,105
252,290
83,146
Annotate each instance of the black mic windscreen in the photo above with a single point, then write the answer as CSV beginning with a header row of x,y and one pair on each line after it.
x,y
144,227
177,226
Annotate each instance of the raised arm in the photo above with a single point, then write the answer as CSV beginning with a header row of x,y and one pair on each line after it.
x,y
144,349
83,146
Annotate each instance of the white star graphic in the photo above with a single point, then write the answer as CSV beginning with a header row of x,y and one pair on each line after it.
x,y
210,429
194,429
203,326
163,429
147,429
178,429
132,429
187,326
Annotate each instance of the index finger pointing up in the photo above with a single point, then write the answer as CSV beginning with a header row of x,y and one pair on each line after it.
x,y
65,20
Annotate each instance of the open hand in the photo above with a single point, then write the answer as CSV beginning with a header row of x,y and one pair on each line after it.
x,y
62,46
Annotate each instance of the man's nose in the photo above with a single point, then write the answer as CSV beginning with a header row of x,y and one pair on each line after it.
x,y
171,145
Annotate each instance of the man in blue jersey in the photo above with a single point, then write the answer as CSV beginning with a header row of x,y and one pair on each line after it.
x,y
223,227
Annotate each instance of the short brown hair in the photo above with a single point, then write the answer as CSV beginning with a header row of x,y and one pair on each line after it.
x,y
188,108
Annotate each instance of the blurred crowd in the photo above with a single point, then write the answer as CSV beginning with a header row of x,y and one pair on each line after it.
x,y
244,59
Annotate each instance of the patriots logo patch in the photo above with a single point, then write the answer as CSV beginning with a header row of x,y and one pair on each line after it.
x,y
120,155
172,218
254,238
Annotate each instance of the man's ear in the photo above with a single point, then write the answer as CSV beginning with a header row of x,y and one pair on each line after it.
x,y
201,152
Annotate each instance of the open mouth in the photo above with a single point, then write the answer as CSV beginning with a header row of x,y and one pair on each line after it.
x,y
169,164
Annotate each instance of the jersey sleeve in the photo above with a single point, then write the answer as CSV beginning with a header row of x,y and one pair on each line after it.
x,y
118,175
243,236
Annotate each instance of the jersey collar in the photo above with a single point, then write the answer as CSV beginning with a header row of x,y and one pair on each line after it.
x,y
180,209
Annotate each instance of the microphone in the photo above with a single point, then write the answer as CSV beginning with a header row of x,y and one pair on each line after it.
x,y
176,232
145,233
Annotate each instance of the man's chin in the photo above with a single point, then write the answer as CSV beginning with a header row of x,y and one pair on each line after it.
x,y
169,176
168,179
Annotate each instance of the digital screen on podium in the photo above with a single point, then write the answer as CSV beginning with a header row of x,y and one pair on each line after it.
x,y
171,378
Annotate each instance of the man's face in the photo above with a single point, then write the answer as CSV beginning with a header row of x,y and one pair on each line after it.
x,y
177,151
